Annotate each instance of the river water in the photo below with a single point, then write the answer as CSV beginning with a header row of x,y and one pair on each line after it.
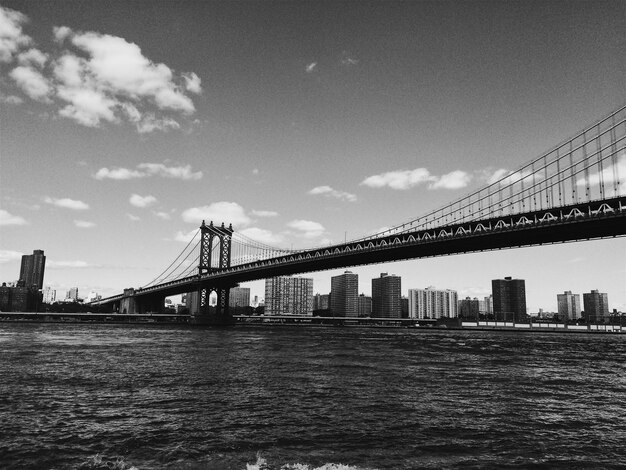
x,y
250,398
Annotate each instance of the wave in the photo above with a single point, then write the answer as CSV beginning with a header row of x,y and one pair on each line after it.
x,y
262,464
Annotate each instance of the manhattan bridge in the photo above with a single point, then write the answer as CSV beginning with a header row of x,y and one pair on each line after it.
x,y
575,191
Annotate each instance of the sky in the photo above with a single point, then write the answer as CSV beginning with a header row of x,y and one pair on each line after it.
x,y
124,124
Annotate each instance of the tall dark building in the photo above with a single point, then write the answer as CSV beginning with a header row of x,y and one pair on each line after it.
x,y
509,299
32,269
596,305
344,295
386,297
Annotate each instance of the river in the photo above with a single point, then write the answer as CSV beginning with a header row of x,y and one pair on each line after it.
x,y
96,396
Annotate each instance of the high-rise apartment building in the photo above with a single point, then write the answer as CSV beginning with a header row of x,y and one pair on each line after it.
x,y
596,307
432,303
321,302
509,299
469,308
238,298
386,295
49,295
72,294
289,295
32,269
365,306
344,295
568,306
485,307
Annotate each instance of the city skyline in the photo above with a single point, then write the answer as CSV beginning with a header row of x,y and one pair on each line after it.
x,y
323,125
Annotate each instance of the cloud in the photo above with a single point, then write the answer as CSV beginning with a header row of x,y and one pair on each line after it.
x,y
148,169
610,174
257,213
307,228
406,179
84,224
66,203
142,201
179,172
162,215
453,180
310,68
217,212
192,83
70,264
330,192
12,39
347,60
9,219
185,237
32,57
401,179
32,83
7,256
133,218
263,236
95,79
11,99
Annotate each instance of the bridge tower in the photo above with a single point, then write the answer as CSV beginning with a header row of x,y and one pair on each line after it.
x,y
215,251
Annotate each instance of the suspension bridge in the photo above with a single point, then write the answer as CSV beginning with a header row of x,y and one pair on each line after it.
x,y
576,191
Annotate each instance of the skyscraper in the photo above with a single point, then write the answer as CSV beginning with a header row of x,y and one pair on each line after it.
x,y
469,308
344,295
568,306
509,299
596,306
432,303
32,269
289,295
386,296
239,298
365,306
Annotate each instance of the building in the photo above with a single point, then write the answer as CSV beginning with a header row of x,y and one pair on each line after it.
x,y
432,303
509,299
386,296
344,295
238,298
49,295
72,294
32,269
321,302
596,307
568,306
5,298
469,309
289,296
365,306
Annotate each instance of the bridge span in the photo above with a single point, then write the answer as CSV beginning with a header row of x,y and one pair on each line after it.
x,y
574,192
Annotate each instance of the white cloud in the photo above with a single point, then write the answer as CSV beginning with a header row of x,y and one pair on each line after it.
x,y
66,203
162,215
7,256
12,39
307,228
255,171
185,237
149,169
33,57
9,219
133,218
32,82
192,83
257,213
69,264
401,179
310,68
610,173
347,60
330,192
11,99
263,236
84,224
218,213
142,201
98,78
179,172
453,180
